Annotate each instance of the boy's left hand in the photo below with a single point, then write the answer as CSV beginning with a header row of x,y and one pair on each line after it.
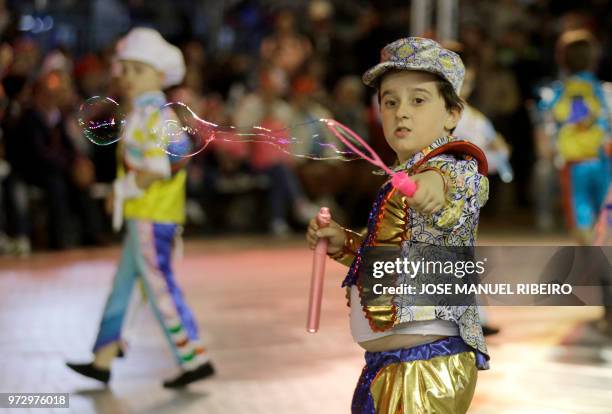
x,y
429,196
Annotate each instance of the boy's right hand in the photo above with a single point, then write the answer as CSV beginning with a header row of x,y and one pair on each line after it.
x,y
334,233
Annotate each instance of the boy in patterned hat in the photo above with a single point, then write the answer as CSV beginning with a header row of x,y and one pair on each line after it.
x,y
419,359
150,194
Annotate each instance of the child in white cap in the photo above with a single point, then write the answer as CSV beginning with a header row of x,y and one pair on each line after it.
x,y
419,359
150,194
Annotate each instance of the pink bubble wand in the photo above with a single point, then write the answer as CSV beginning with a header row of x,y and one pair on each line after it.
x,y
318,274
399,180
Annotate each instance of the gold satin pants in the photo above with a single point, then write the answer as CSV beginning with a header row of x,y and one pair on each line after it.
x,y
441,385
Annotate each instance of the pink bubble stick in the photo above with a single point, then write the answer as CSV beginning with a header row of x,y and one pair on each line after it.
x,y
399,180
318,274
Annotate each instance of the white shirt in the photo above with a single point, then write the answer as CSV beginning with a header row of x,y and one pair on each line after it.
x,y
361,330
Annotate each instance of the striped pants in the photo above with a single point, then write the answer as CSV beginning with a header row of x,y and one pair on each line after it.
x,y
147,253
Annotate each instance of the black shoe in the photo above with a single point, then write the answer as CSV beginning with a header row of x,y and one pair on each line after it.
x,y
187,377
89,370
488,330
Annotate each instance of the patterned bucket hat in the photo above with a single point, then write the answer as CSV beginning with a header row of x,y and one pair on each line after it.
x,y
417,53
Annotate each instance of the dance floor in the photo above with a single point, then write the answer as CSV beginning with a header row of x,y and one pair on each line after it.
x,y
250,298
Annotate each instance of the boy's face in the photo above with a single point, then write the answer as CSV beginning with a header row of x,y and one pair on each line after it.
x,y
138,78
413,113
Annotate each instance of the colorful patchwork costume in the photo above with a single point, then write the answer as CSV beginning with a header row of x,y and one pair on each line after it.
x,y
575,111
431,376
153,218
436,377
152,223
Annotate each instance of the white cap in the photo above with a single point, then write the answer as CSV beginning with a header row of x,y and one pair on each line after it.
x,y
148,46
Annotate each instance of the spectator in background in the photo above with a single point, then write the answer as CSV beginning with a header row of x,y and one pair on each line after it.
x,y
321,179
285,49
498,96
332,44
348,105
83,174
195,69
67,99
321,26
516,54
348,108
90,76
26,57
228,179
233,80
475,127
266,108
17,85
47,159
375,28
316,71
93,77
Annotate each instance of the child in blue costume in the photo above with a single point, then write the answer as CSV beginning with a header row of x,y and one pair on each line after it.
x,y
575,113
149,193
576,117
419,359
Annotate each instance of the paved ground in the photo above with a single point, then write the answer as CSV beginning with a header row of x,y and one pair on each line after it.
x,y
250,297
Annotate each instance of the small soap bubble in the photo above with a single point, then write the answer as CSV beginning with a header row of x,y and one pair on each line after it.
x,y
101,120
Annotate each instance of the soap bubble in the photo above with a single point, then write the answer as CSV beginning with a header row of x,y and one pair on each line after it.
x,y
101,120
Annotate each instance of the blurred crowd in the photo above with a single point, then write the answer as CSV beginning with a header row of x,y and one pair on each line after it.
x,y
276,67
